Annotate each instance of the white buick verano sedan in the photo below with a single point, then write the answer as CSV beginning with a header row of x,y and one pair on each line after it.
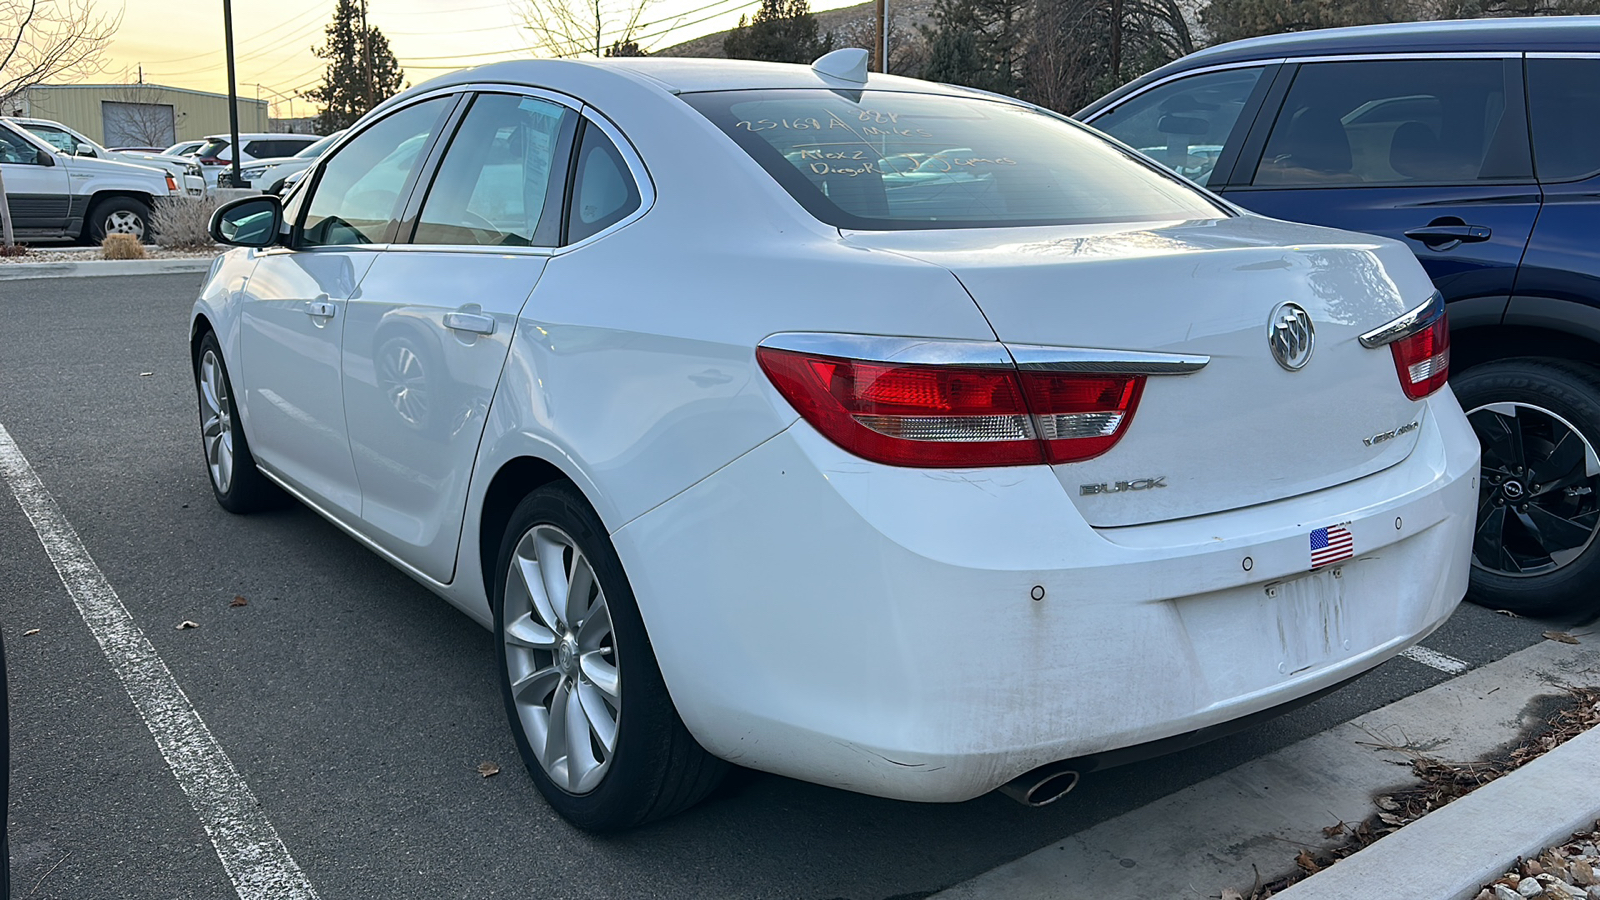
x,y
867,431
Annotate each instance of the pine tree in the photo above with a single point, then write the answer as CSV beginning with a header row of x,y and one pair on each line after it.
x,y
978,43
781,31
362,71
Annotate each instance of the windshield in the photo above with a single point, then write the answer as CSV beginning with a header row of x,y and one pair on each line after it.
x,y
315,150
876,160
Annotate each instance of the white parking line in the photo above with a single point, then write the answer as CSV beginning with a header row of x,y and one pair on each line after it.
x,y
248,846
1436,660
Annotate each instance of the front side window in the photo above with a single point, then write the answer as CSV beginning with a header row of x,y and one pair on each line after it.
x,y
1396,122
495,183
1183,124
876,160
1564,109
14,149
357,197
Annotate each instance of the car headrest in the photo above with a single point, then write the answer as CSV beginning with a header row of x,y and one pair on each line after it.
x,y
1414,151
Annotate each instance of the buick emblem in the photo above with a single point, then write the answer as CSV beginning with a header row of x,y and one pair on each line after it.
x,y
1291,336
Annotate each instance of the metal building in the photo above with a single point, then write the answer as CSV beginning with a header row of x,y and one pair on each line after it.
x,y
137,115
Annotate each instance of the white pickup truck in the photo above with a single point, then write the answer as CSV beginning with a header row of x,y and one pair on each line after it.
x,y
52,195
75,143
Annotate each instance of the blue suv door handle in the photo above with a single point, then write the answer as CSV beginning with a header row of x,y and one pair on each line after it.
x,y
1446,236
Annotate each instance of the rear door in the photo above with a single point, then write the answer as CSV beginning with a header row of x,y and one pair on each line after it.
x,y
427,336
1433,152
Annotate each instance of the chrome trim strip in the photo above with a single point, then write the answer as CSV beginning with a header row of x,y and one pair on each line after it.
x,y
1034,358
1407,324
1441,54
985,354
908,350
360,538
1561,55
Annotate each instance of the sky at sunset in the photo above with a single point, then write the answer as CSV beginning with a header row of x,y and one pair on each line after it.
x,y
181,44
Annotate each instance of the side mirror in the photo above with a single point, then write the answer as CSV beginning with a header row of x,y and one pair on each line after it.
x,y
85,150
1182,125
248,222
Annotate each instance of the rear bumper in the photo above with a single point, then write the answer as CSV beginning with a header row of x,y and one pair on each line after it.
x,y
875,628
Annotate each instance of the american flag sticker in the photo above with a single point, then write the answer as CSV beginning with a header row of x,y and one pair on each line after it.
x,y
1331,544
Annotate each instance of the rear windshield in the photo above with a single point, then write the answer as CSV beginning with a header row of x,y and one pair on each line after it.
x,y
212,148
877,160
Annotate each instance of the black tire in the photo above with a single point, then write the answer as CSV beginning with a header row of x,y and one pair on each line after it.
x,y
246,490
1536,552
657,768
118,215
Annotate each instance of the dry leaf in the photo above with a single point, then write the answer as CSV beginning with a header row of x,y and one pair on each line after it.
x,y
30,631
1387,804
487,769
1561,636
1231,894
239,601
1507,612
145,374
186,624
1304,861
1391,819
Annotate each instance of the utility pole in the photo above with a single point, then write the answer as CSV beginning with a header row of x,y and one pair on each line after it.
x,y
881,20
233,92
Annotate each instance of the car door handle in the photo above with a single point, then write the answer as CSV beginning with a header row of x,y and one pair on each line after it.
x,y
1450,234
473,322
321,308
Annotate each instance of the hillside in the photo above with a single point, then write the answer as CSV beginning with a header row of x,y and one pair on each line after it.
x,y
850,25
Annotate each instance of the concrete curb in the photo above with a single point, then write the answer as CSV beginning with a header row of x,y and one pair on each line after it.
x,y
1452,852
98,267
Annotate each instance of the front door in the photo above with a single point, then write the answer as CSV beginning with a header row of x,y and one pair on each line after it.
x,y
295,305
37,188
1432,152
428,334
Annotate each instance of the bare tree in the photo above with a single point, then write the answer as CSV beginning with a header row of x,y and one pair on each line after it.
x,y
43,40
142,115
566,28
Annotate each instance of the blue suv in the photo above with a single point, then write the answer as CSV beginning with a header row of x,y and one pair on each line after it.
x,y
1478,144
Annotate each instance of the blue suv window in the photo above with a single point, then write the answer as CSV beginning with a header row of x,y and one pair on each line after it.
x,y
1396,122
1184,124
1564,109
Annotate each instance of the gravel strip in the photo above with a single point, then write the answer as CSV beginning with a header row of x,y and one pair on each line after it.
x,y
1569,871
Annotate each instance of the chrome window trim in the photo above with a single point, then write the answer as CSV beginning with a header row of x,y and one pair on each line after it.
x,y
476,249
641,178
1037,358
1407,324
1430,54
1559,55
985,354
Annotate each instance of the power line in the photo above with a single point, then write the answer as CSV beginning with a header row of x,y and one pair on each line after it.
x,y
253,38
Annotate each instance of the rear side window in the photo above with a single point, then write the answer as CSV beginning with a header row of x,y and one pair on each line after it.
x,y
213,149
1183,124
876,160
603,190
1396,122
1564,106
494,185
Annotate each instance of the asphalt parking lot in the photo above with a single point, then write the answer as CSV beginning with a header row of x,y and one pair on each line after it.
x,y
358,707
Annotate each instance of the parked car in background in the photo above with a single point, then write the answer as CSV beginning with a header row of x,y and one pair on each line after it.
x,y
184,148
891,484
216,155
75,143
53,195
1478,144
271,175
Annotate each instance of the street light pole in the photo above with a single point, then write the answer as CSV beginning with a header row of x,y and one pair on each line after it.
x,y
233,91
881,17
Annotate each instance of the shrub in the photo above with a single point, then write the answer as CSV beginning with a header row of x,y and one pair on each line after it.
x,y
13,250
182,222
121,246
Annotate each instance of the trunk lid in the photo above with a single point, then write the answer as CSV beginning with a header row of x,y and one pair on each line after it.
x,y
1243,430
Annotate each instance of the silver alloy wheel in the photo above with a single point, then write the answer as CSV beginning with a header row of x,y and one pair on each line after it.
x,y
124,222
216,421
1539,493
561,658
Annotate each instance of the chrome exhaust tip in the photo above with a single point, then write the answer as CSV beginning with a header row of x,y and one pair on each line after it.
x,y
1042,786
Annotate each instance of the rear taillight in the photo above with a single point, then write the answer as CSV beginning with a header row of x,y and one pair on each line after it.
x,y
1423,359
1420,343
951,416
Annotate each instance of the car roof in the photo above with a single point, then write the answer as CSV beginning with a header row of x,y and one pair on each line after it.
x,y
677,75
1542,34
